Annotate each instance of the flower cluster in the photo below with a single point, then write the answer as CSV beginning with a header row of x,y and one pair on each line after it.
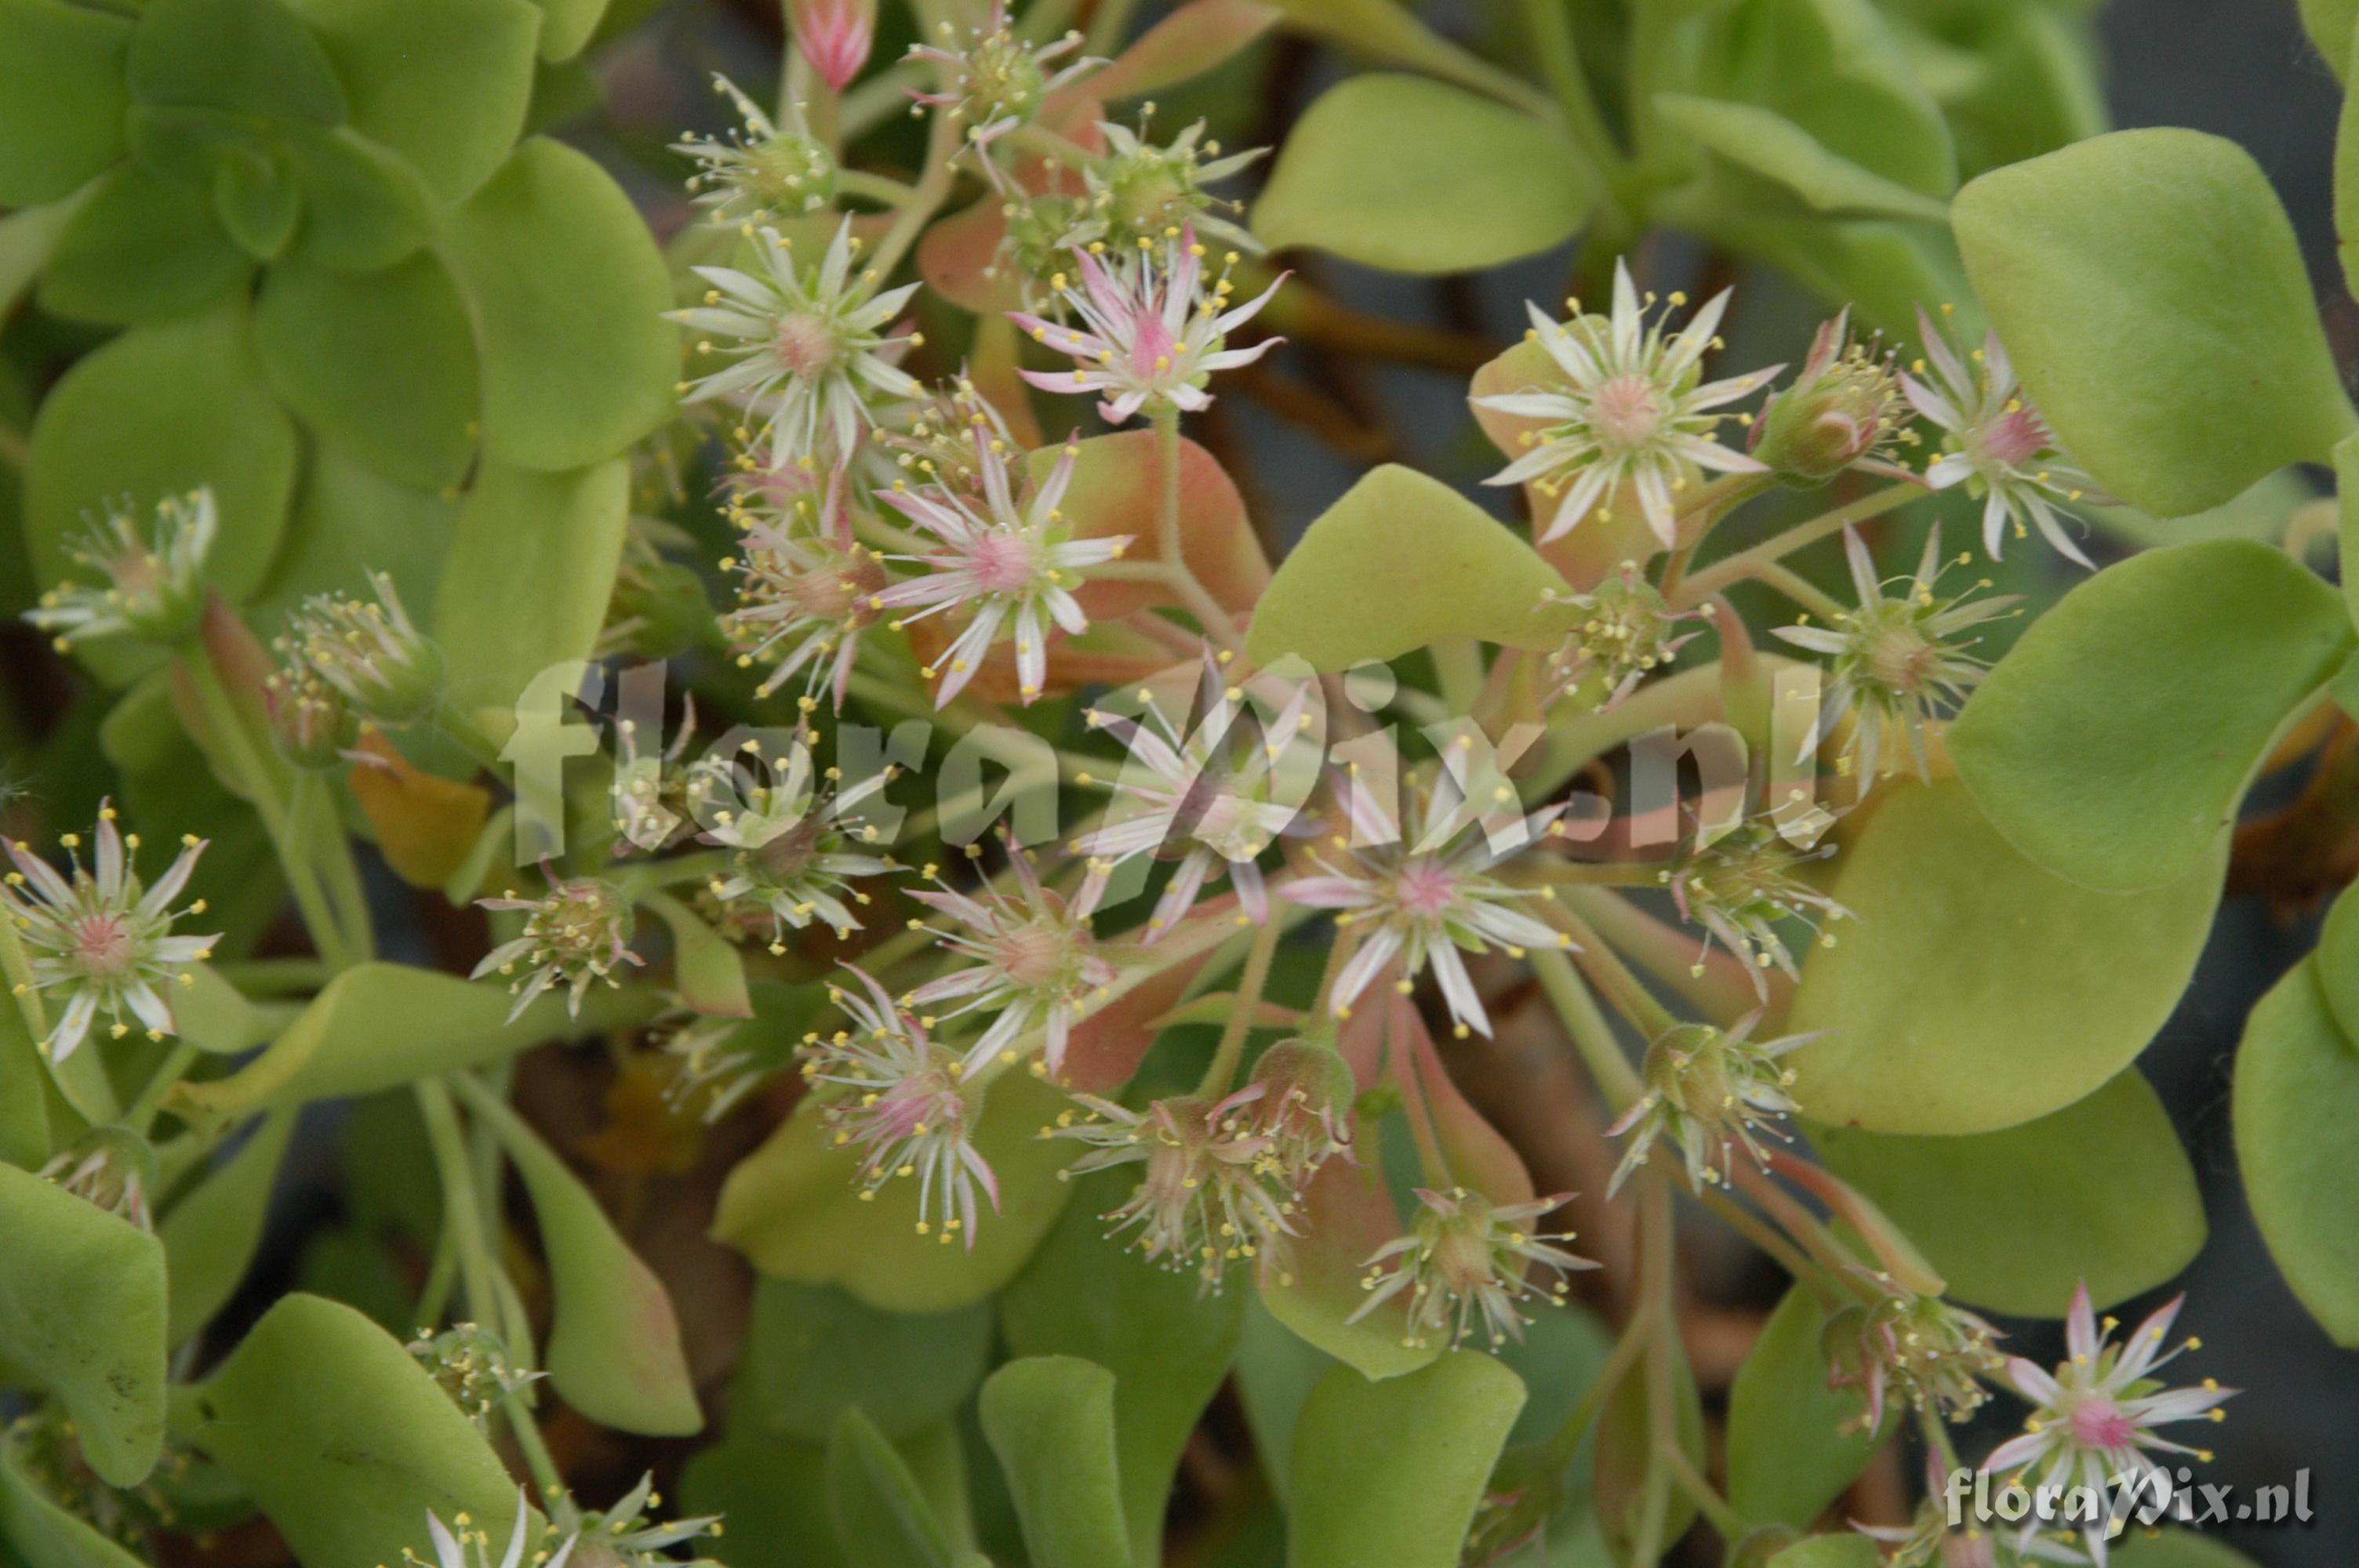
x,y
575,934
150,589
1031,962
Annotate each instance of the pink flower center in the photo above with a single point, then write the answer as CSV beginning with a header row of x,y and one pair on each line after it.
x,y
103,946
1002,562
1425,889
1151,345
1627,411
2015,438
1033,954
837,588
805,344
2100,1423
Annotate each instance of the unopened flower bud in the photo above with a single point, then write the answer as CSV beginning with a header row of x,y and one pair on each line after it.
x,y
309,718
834,36
369,651
1841,411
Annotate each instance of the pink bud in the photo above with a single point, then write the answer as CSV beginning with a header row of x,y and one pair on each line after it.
x,y
835,36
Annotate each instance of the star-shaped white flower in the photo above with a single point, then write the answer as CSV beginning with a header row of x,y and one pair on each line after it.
x,y
813,359
1632,408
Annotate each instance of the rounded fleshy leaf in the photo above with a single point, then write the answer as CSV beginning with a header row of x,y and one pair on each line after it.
x,y
2328,24
382,363
1765,143
614,1349
61,97
1168,1345
1975,990
24,1076
211,1236
568,294
343,1439
1193,39
442,82
139,247
878,1505
1792,1447
81,1311
1391,1472
160,411
560,534
364,207
1415,176
1626,1452
46,1533
2115,1198
1400,561
351,522
813,1352
2297,1125
248,58
1312,1284
1050,1419
793,1208
2076,745
378,1026
2077,255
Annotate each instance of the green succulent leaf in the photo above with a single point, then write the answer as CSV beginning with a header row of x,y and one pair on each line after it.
x,y
2076,745
211,1236
442,82
772,1495
365,209
792,1207
1846,1549
46,1533
1975,990
1391,1472
561,533
256,201
61,97
1834,68
1400,561
568,294
343,1440
243,56
813,1351
1167,1343
158,411
882,1517
81,1310
2076,256
566,25
1050,1421
2116,1198
614,1349
2328,24
140,247
349,521
1415,176
2297,1126
382,364
378,1026
1794,1444
1624,1445
24,1074
706,968
1386,30
1767,144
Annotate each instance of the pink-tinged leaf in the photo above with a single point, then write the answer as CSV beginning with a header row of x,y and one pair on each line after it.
x,y
1596,546
991,368
706,969
426,826
1195,38
957,252
1105,1048
1386,1037
1312,1283
956,258
614,1348
1117,489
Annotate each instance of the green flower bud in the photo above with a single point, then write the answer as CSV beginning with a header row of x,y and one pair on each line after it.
x,y
371,652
